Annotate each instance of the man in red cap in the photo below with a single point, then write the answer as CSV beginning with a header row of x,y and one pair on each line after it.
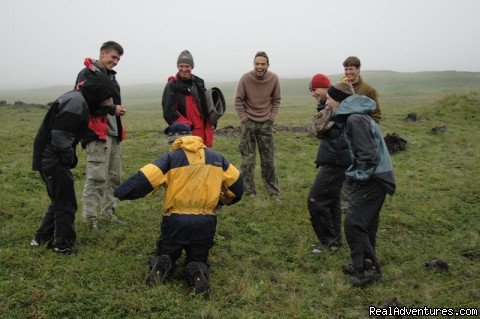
x,y
333,157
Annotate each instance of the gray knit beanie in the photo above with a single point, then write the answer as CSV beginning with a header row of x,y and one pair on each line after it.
x,y
185,57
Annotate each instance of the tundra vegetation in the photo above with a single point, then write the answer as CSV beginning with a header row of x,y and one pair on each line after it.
x,y
261,264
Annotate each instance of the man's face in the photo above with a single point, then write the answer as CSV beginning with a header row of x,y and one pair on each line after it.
x,y
109,59
184,71
352,73
260,66
319,94
331,103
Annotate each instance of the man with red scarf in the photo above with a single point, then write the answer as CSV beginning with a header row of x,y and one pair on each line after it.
x,y
184,102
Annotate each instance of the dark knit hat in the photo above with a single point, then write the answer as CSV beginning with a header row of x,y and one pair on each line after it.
x,y
97,87
185,57
320,81
176,130
336,94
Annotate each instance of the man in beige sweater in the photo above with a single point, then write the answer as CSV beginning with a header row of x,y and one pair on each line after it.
x,y
257,102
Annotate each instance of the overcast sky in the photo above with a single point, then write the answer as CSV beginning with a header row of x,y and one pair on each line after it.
x,y
44,42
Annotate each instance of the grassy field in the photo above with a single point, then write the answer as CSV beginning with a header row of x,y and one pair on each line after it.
x,y
261,263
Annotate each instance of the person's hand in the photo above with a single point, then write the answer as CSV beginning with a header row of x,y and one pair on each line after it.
x,y
120,110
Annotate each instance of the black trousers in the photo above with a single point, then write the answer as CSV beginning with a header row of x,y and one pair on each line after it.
x,y
361,222
324,204
59,220
192,233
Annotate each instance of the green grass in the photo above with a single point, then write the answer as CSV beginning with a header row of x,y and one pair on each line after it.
x,y
261,263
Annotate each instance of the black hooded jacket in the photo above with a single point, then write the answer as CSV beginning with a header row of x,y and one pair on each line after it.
x,y
173,99
65,123
333,149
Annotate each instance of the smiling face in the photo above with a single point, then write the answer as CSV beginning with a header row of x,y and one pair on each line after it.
x,y
319,94
352,73
184,71
109,59
260,66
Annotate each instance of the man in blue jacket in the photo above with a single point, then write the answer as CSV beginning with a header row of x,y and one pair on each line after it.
x,y
372,176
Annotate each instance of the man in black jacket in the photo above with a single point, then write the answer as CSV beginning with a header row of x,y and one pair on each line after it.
x,y
183,100
333,157
65,123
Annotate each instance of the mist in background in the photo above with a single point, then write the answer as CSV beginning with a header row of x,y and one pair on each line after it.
x,y
44,43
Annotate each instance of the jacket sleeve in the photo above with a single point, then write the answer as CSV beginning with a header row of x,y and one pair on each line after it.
x,y
170,106
363,146
377,113
145,181
65,128
232,184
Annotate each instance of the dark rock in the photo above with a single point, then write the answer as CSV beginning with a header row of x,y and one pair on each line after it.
x,y
3,102
19,104
439,129
395,143
412,117
436,264
228,130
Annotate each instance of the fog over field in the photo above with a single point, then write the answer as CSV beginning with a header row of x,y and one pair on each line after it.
x,y
44,42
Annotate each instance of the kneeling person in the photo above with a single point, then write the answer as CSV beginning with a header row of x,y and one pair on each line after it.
x,y
197,180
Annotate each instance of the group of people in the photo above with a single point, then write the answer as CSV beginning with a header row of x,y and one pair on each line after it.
x,y
355,166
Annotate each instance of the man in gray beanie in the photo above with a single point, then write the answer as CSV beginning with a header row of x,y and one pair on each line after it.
x,y
185,57
184,101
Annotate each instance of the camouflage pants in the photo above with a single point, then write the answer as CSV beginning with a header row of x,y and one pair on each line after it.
x,y
103,174
259,133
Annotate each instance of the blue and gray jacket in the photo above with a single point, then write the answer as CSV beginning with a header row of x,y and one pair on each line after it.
x,y
370,157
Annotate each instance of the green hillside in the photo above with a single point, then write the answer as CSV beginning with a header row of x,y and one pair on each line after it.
x,y
386,83
261,262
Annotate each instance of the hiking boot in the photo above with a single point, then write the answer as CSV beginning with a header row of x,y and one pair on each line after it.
x,y
160,270
365,279
348,269
198,279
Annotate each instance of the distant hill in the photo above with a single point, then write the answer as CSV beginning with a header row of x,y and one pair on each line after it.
x,y
386,83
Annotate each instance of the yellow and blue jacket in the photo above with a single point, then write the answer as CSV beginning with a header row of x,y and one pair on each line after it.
x,y
196,178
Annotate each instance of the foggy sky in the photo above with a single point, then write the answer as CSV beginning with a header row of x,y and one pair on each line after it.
x,y
43,43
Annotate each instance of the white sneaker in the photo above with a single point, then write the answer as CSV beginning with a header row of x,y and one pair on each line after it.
x,y
34,243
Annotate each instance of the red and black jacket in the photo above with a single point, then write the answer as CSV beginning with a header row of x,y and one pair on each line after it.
x,y
174,99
